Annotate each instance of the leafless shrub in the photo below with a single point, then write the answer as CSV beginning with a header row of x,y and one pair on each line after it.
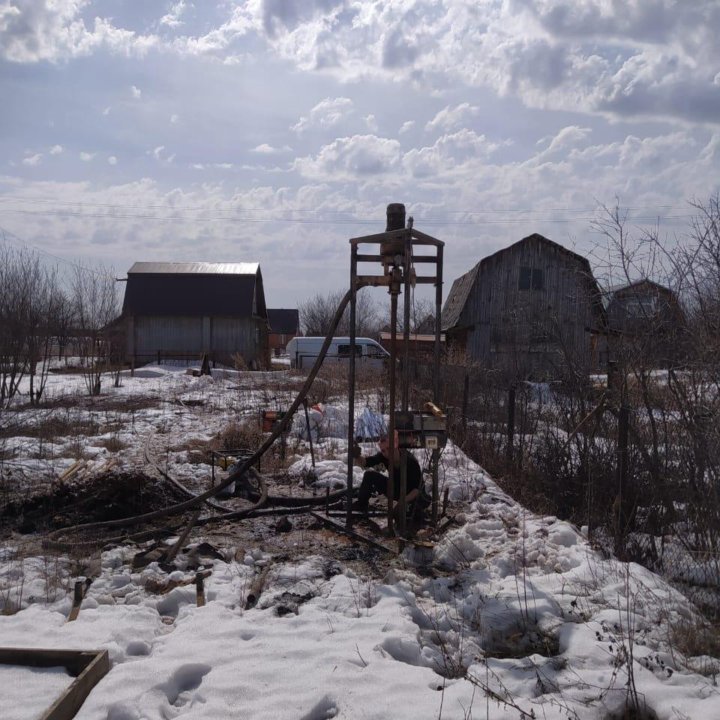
x,y
95,302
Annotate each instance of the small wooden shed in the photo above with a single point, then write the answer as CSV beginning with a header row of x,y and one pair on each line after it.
x,y
189,309
284,326
646,323
528,311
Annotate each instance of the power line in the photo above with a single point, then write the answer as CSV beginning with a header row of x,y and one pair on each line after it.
x,y
4,233
437,222
201,208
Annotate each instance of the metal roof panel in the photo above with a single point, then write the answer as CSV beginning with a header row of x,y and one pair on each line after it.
x,y
194,268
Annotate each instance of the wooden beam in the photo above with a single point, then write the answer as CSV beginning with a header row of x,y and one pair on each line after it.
x,y
172,551
422,238
380,237
89,667
373,280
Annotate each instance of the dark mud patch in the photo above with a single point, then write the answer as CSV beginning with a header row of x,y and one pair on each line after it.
x,y
107,497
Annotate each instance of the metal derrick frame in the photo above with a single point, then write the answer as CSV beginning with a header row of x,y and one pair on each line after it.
x,y
399,272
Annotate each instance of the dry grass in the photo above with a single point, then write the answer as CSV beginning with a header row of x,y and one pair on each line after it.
x,y
113,444
699,642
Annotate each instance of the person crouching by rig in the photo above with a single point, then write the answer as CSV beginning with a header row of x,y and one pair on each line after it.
x,y
375,482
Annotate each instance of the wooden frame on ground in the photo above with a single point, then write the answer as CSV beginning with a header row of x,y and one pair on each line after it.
x,y
87,666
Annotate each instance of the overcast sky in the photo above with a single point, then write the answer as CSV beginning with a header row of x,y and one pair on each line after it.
x,y
275,130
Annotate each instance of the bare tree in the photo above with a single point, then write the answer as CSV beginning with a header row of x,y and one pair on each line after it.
x,y
28,295
316,314
15,291
45,307
96,305
422,316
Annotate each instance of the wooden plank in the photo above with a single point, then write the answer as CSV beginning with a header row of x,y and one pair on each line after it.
x,y
200,587
88,667
77,601
172,551
75,467
67,705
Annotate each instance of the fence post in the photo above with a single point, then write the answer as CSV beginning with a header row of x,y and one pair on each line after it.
x,y
510,425
465,399
622,471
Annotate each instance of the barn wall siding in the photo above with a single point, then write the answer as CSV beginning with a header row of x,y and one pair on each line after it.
x,y
224,337
167,334
230,335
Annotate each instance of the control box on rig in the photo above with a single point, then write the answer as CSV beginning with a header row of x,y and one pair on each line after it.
x,y
422,428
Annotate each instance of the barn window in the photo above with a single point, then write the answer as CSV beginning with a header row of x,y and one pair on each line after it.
x,y
531,278
525,277
640,307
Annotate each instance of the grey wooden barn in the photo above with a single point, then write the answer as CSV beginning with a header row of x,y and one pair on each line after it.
x,y
192,308
529,311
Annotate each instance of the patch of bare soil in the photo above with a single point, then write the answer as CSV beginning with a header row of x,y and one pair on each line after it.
x,y
297,537
106,497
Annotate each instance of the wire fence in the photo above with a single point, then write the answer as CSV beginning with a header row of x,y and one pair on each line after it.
x,y
639,480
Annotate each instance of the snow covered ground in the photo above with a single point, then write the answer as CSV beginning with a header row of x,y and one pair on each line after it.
x,y
509,615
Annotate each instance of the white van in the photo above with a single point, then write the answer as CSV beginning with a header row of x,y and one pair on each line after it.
x,y
303,351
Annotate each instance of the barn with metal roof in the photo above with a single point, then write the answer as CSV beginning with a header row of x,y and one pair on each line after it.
x,y
527,311
194,308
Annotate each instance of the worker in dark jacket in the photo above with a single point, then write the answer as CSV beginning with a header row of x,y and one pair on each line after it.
x,y
374,482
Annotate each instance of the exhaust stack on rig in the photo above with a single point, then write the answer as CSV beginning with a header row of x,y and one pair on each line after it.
x,y
397,256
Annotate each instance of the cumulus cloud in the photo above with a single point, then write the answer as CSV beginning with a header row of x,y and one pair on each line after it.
x,y
283,16
172,18
112,160
325,114
356,157
37,30
463,149
265,149
406,127
56,149
636,58
452,117
565,140
86,156
33,160
174,119
136,92
371,123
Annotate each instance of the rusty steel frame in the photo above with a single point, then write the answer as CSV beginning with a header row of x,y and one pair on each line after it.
x,y
396,276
